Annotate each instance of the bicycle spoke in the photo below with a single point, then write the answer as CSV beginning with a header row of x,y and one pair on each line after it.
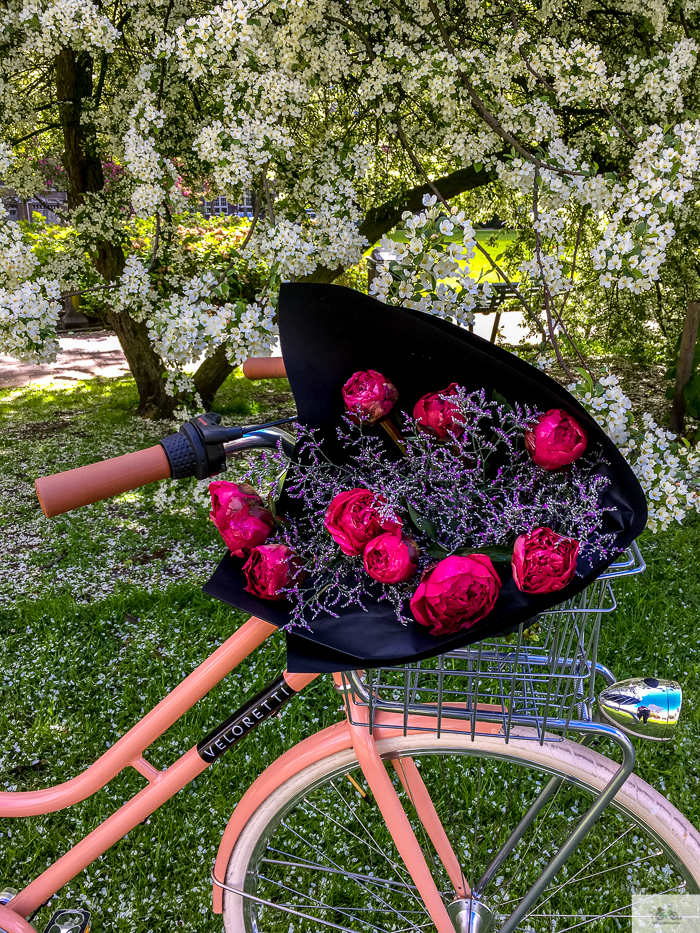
x,y
335,871
335,865
541,822
452,825
473,879
374,844
583,867
604,871
399,869
610,913
319,905
426,844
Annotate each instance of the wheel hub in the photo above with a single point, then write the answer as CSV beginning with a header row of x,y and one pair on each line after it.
x,y
470,916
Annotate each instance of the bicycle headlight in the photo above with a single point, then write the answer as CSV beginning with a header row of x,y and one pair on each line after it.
x,y
643,706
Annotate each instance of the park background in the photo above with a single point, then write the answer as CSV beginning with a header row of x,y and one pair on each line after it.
x,y
421,150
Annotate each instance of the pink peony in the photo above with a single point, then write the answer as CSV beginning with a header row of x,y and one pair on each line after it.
x,y
239,514
353,518
456,593
543,561
555,440
269,569
391,558
439,416
369,396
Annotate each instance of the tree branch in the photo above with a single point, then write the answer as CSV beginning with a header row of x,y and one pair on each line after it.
x,y
95,288
270,208
549,303
37,132
358,32
483,110
156,243
163,63
383,218
518,294
101,79
51,207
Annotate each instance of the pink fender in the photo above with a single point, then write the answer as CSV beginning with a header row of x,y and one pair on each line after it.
x,y
11,922
326,742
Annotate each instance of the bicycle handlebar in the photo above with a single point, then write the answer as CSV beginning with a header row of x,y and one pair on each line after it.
x,y
264,367
72,489
199,449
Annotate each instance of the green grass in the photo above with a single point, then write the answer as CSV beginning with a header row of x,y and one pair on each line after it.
x,y
494,242
101,614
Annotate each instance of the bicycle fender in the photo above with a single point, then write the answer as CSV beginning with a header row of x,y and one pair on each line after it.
x,y
328,741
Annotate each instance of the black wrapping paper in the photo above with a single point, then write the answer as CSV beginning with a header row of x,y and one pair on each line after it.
x,y
327,334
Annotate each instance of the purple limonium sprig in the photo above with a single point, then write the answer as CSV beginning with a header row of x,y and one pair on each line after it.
x,y
474,491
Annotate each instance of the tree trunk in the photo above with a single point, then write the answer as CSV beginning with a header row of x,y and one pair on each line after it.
x,y
211,375
81,160
146,367
685,365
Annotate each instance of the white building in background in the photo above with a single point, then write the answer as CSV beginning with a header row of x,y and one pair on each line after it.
x,y
46,204
49,203
222,207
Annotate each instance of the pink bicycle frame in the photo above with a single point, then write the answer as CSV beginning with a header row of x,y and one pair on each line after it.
x,y
163,785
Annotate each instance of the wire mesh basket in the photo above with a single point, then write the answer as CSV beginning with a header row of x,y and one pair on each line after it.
x,y
540,677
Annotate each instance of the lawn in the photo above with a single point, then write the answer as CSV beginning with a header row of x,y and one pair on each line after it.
x,y
101,613
494,242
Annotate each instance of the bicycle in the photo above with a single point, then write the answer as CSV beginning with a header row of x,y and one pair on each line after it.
x,y
426,809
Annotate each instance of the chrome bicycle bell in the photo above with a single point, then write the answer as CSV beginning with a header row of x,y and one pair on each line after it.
x,y
643,706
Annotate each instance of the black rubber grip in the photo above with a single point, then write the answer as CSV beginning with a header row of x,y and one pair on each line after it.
x,y
181,456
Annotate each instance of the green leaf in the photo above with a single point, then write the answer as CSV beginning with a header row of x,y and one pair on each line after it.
x,y
421,523
503,402
585,377
478,166
437,552
494,551
280,483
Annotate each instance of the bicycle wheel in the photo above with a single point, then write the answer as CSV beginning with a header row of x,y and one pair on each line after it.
x,y
318,846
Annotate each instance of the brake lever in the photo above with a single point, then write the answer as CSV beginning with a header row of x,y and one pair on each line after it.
x,y
201,445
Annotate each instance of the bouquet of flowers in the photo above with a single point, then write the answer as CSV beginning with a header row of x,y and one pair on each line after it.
x,y
481,490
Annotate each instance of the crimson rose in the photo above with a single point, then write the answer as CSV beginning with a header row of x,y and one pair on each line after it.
x,y
353,518
555,440
391,558
439,416
239,514
543,561
456,593
269,569
369,396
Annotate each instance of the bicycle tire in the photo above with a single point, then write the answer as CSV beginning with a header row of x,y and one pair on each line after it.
x,y
582,768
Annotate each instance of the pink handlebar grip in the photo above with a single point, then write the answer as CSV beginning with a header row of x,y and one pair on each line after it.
x,y
72,489
264,367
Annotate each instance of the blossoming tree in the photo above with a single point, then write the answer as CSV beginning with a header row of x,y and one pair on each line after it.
x,y
572,120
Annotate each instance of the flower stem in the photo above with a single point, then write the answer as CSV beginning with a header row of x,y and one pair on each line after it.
x,y
394,434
